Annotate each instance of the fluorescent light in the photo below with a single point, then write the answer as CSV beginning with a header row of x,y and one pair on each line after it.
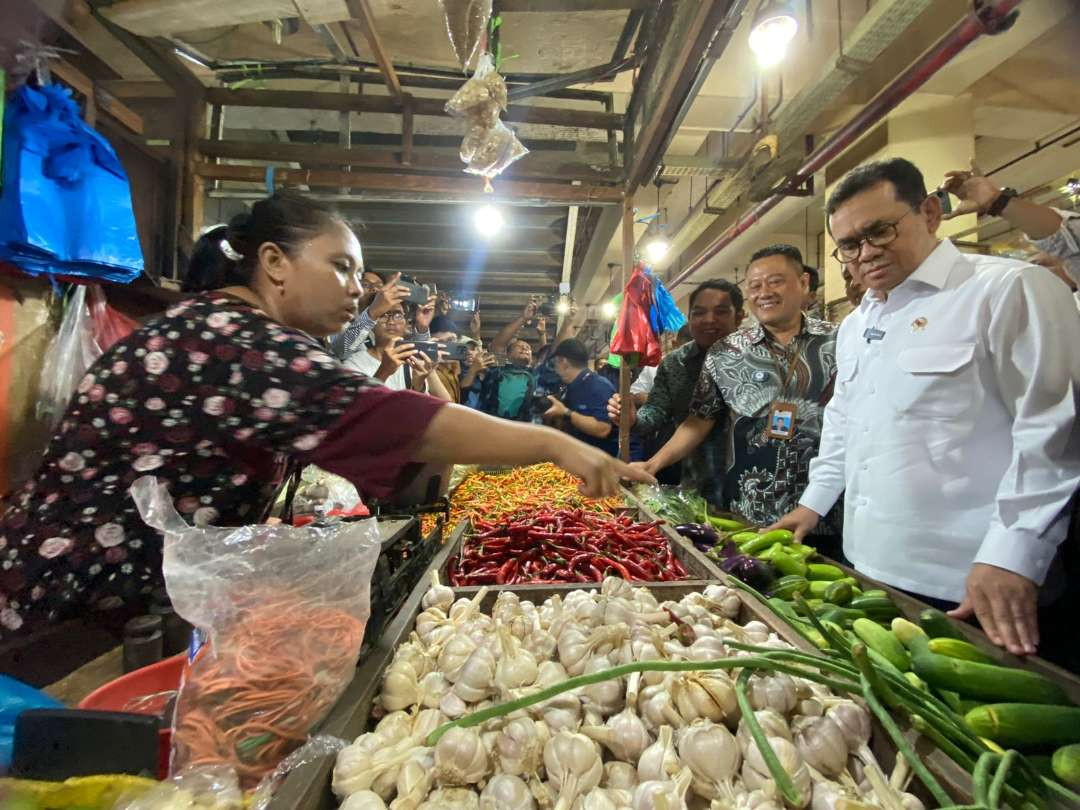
x,y
774,27
191,58
488,221
608,311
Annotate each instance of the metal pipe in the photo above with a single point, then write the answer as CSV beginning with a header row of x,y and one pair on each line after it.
x,y
917,74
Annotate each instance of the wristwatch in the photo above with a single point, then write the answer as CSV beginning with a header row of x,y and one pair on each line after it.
x,y
1002,200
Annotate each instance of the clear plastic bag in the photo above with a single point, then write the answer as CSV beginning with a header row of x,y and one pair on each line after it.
x,y
482,93
498,150
466,22
211,787
70,354
283,610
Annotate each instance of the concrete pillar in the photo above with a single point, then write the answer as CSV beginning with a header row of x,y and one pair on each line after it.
x,y
936,133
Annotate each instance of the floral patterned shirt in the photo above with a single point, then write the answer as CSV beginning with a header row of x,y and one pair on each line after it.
x,y
215,399
764,477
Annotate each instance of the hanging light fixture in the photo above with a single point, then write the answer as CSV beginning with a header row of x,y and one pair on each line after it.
x,y
488,221
775,25
655,245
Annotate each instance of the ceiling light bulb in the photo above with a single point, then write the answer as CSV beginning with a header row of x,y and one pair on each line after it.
x,y
608,311
656,249
775,26
562,307
488,221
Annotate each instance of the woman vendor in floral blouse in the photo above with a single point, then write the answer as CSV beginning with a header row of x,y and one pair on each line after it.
x,y
218,398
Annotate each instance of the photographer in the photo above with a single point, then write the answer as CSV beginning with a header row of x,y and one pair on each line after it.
x,y
477,362
583,408
380,295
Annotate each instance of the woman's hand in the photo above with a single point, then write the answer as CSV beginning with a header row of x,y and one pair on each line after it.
x,y
424,314
394,357
388,297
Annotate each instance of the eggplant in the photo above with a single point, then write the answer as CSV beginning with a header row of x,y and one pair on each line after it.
x,y
754,572
704,537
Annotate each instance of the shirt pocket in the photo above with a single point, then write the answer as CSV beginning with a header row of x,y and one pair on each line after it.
x,y
936,381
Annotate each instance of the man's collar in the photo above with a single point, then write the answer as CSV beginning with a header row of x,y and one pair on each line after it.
x,y
810,326
933,272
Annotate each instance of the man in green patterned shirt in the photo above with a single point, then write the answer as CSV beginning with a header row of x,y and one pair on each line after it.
x,y
716,310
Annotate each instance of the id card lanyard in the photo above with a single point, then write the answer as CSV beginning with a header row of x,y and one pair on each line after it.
x,y
782,413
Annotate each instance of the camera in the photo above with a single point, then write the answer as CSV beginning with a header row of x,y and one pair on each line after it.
x,y
547,307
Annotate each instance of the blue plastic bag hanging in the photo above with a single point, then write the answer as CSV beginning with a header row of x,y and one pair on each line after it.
x,y
65,202
665,314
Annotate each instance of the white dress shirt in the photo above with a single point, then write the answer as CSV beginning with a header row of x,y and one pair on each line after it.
x,y
645,381
954,434
364,362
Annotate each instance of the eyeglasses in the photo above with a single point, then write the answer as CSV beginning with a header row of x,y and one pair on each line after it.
x,y
881,235
390,317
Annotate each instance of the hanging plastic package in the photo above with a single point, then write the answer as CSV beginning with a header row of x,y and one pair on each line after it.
x,y
67,359
466,22
498,150
65,203
283,612
107,324
483,94
634,335
665,313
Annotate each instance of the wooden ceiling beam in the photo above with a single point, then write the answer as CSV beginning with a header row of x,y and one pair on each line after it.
x,y
301,100
406,184
535,165
573,5
361,14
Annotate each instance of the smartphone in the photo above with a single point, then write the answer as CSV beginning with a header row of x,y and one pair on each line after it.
x,y
463,304
456,351
946,202
428,347
418,293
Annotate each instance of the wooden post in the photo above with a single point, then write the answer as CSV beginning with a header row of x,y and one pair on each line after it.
x,y
624,367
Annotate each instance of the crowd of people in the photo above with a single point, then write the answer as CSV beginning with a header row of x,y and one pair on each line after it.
x,y
929,440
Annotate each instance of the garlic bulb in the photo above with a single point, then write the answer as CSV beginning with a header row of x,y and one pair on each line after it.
x,y
712,755
826,795
460,758
353,761
666,795
476,676
452,799
707,648
607,696
464,610
659,761
596,799
656,708
573,766
911,802
395,726
709,695
811,707
772,690
726,600
756,632
620,775
561,712
454,654
624,735
516,666
507,607
426,721
519,747
363,800
506,792
756,775
438,595
550,673
433,688
400,688
853,721
821,744
771,723
616,586
414,781
428,622
452,705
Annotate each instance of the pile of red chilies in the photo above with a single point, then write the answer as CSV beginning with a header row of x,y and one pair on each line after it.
x,y
567,545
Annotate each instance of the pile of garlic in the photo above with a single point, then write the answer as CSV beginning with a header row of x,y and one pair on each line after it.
x,y
650,741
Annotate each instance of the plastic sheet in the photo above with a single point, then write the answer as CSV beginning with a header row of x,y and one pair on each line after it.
x,y
65,202
15,698
108,325
283,610
67,359
466,23
664,314
634,334
213,787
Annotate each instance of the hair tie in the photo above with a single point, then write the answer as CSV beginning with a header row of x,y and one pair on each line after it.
x,y
230,251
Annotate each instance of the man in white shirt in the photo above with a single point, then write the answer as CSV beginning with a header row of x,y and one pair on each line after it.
x,y
952,427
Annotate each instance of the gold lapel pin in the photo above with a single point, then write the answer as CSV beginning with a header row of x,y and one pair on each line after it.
x,y
918,324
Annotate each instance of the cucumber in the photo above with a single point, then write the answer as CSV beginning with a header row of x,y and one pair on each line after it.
x,y
876,607
1025,724
841,616
823,571
1066,764
955,648
984,681
839,593
883,641
876,592
938,625
906,631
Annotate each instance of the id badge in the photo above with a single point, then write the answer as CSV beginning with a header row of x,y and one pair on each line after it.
x,y
781,422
